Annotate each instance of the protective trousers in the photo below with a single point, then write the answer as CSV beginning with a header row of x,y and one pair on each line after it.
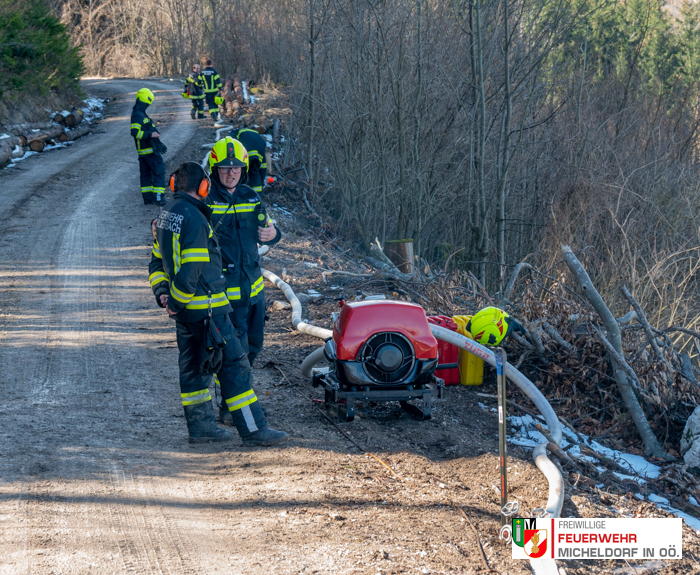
x,y
152,171
212,105
197,107
235,375
249,322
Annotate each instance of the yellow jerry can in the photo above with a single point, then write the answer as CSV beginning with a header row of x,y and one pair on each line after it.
x,y
471,367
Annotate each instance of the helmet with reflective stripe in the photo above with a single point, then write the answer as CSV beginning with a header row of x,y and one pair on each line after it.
x,y
218,100
145,95
490,325
228,152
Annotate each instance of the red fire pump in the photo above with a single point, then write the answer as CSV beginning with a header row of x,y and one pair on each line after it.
x,y
380,351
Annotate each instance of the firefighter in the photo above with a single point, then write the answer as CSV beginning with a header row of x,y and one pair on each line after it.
x,y
241,223
151,166
194,90
187,280
212,86
255,144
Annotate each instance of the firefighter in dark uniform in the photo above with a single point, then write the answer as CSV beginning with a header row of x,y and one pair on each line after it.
x,y
151,166
194,90
187,280
242,223
256,146
212,85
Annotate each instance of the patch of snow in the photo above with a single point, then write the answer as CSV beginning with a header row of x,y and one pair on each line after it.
x,y
482,406
311,265
657,498
268,137
3,136
692,500
600,485
630,477
639,496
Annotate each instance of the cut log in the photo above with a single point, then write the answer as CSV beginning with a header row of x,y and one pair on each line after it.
x,y
37,139
59,119
228,90
400,252
8,147
74,118
18,129
75,133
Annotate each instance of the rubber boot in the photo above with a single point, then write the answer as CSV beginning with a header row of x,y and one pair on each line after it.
x,y
253,428
215,116
201,424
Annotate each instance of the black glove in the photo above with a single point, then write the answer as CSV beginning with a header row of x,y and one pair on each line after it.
x,y
211,354
158,147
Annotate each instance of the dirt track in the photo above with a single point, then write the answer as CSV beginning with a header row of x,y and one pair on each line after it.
x,y
96,475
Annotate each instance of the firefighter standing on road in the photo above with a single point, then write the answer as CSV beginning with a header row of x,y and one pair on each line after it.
x,y
255,144
151,165
187,280
241,224
212,85
194,90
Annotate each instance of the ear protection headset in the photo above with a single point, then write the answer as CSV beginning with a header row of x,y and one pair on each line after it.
x,y
204,185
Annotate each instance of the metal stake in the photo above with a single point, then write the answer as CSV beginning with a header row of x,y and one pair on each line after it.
x,y
501,360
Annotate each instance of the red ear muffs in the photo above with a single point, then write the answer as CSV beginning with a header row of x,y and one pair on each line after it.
x,y
203,190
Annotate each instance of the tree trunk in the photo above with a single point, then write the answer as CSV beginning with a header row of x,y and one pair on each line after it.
x,y
651,443
400,252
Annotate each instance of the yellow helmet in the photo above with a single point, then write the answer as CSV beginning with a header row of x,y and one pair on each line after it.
x,y
145,95
228,152
218,100
490,325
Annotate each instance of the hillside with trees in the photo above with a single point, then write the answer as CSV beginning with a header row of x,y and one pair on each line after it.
x,y
37,59
486,131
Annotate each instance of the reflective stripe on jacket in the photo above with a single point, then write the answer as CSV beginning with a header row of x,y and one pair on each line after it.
x,y
194,86
186,259
211,80
238,239
141,129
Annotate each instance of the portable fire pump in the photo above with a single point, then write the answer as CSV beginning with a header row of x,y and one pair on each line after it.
x,y
381,350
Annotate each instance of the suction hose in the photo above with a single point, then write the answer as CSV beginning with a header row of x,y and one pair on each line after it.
x,y
297,322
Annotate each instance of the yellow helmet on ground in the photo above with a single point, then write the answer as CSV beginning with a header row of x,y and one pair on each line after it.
x,y
228,152
145,95
218,100
490,325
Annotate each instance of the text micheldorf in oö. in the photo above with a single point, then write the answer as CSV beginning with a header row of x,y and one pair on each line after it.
x,y
652,538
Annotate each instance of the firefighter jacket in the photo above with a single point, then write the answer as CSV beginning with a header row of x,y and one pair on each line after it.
x,y
255,145
238,238
186,261
194,86
211,80
141,129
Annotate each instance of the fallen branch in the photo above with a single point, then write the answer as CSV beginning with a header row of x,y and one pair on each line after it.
x,y
554,334
642,319
651,443
511,283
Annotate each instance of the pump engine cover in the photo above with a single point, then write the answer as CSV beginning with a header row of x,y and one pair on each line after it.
x,y
379,343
